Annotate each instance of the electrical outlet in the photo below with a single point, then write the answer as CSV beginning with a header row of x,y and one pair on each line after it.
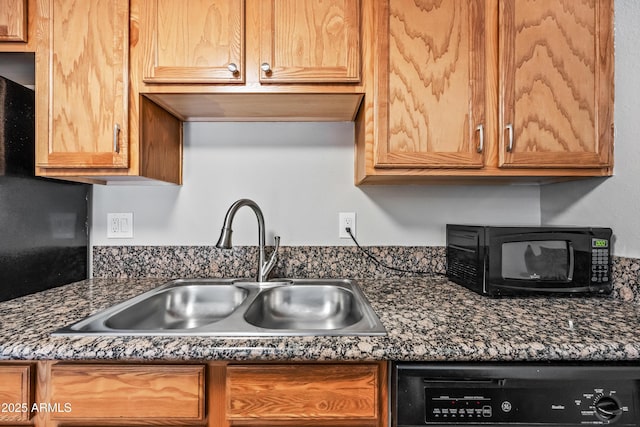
x,y
346,219
120,225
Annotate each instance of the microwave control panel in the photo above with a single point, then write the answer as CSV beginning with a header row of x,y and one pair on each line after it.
x,y
600,260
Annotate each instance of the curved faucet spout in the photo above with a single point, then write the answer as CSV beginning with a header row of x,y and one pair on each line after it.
x,y
224,242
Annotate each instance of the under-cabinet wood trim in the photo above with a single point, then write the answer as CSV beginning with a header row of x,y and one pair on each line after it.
x,y
160,143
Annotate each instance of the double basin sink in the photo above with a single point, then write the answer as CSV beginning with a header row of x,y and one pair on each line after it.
x,y
232,307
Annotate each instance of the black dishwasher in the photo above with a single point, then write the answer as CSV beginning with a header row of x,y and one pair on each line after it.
x,y
512,394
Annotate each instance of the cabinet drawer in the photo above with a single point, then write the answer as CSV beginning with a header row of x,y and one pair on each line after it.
x,y
312,392
164,392
16,393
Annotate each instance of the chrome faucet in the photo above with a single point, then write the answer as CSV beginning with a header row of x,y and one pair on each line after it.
x,y
224,242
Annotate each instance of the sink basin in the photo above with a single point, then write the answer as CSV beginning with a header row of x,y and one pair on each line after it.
x,y
183,307
304,307
236,307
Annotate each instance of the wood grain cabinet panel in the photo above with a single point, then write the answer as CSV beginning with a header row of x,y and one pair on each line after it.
x,y
13,21
203,41
435,85
152,392
556,75
269,393
16,393
310,41
490,89
193,41
88,86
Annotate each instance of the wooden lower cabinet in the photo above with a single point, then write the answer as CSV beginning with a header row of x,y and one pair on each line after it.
x,y
131,392
212,394
306,394
16,392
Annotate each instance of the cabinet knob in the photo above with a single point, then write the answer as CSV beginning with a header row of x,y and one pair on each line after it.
x,y
233,68
266,67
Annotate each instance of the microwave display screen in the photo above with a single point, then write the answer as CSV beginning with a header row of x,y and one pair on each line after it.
x,y
536,260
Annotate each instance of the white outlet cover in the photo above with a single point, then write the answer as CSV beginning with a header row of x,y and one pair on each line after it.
x,y
120,225
344,219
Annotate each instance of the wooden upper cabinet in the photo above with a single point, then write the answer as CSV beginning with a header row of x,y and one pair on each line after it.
x,y
556,71
500,89
13,21
213,41
87,90
193,41
311,41
430,103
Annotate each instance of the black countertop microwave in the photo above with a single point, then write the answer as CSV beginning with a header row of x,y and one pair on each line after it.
x,y
525,261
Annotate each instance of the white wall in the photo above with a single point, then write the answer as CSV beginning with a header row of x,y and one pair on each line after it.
x,y
612,202
301,174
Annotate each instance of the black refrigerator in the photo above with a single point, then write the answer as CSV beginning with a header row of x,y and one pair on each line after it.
x,y
43,222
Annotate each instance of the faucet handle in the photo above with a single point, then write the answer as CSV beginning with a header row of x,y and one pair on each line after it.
x,y
268,265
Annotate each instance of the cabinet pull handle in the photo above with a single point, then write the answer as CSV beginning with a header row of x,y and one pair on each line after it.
x,y
509,127
480,129
233,68
116,132
265,67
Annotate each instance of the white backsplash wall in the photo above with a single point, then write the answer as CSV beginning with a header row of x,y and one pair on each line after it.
x,y
301,174
612,202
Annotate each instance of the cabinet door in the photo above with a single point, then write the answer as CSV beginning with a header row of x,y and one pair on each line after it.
x,y
129,392
432,105
16,393
311,41
13,20
193,41
266,394
556,83
88,56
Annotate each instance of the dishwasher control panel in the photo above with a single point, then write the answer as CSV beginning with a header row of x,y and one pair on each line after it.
x,y
505,395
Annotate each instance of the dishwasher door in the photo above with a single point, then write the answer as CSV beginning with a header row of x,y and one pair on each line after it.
x,y
482,394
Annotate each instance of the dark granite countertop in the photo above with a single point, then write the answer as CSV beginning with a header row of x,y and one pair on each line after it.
x,y
427,319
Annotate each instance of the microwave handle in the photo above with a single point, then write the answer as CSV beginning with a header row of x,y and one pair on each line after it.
x,y
571,262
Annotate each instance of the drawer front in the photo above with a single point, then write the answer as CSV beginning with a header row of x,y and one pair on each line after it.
x,y
312,392
16,393
163,392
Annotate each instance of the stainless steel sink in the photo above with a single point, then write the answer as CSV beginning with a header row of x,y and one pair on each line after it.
x,y
304,307
182,307
231,307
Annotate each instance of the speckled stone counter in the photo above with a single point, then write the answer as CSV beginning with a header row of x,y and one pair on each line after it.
x,y
428,319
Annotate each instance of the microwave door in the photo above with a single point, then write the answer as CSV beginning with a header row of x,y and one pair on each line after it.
x,y
544,261
535,260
